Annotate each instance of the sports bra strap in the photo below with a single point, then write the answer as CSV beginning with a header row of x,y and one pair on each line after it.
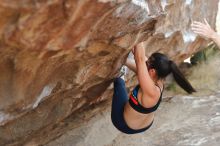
x,y
161,90
133,101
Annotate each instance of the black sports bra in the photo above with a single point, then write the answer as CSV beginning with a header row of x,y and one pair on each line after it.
x,y
134,103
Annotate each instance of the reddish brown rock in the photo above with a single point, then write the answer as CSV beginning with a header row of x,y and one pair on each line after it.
x,y
59,56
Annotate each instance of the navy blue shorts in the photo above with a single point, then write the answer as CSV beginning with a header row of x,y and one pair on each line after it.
x,y
120,98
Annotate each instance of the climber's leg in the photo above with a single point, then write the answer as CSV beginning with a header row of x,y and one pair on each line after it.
x,y
119,100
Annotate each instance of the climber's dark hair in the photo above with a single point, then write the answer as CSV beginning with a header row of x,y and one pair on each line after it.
x,y
164,67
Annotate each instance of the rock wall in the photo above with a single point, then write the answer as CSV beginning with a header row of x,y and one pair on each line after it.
x,y
58,57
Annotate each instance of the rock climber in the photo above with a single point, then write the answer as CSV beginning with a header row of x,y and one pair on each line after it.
x,y
135,113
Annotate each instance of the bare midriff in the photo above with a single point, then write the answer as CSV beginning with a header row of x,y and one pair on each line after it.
x,y
136,120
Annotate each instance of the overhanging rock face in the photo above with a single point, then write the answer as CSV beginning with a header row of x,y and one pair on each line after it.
x,y
59,56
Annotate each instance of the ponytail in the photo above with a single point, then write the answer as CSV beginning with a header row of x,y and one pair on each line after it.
x,y
164,67
180,79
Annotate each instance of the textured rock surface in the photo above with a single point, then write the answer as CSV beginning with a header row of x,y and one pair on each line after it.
x,y
182,121
59,56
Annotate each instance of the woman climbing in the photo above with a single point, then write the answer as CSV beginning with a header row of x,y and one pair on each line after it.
x,y
136,113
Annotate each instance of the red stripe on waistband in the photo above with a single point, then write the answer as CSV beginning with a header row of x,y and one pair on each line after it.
x,y
133,100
